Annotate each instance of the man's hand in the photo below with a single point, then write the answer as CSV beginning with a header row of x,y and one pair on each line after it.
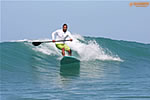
x,y
53,40
70,39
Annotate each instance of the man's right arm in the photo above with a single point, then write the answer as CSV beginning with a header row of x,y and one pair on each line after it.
x,y
53,35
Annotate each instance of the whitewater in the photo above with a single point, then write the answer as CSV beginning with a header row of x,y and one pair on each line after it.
x,y
109,70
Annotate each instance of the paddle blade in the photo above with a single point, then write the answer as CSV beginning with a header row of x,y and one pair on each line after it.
x,y
36,43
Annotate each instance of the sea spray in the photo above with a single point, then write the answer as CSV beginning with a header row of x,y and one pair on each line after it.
x,y
87,50
91,50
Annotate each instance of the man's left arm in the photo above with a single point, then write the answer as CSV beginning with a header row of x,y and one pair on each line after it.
x,y
70,36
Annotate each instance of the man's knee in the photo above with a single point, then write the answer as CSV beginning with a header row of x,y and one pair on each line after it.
x,y
70,51
63,49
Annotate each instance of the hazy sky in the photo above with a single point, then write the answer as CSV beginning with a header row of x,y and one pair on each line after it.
x,y
110,19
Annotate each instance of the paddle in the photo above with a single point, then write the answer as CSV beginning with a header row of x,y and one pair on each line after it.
x,y
38,43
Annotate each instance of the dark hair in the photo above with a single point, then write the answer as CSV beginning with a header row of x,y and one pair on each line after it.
x,y
65,25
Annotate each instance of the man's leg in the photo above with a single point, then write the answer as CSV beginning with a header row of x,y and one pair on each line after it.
x,y
67,48
62,48
63,51
70,52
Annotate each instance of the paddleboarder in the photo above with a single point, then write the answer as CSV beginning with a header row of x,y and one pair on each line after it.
x,y
62,34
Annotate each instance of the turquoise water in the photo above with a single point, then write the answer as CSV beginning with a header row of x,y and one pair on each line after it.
x,y
109,70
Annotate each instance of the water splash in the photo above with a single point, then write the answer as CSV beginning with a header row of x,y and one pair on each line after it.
x,y
91,50
86,50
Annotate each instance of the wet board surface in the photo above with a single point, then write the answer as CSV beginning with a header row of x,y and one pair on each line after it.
x,y
69,60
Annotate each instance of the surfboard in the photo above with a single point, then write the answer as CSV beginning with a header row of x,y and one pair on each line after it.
x,y
69,60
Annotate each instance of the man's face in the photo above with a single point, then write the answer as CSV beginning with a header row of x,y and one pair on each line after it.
x,y
65,28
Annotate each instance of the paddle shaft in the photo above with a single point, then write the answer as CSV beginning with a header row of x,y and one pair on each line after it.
x,y
55,41
38,43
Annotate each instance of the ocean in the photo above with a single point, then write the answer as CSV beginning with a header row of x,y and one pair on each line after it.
x,y
108,70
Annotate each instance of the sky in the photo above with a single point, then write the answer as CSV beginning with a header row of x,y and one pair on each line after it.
x,y
108,19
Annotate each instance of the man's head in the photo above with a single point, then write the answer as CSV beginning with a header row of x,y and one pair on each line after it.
x,y
65,27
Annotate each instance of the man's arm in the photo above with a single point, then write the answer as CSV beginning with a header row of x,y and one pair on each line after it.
x,y
69,35
53,35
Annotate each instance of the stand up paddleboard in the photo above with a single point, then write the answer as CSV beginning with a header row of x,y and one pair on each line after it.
x,y
69,60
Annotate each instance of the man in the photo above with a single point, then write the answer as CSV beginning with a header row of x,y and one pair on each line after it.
x,y
62,34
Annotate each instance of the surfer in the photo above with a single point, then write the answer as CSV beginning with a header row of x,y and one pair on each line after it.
x,y
62,34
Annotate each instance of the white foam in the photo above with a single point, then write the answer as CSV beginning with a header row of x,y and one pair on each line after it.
x,y
23,40
89,50
47,48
